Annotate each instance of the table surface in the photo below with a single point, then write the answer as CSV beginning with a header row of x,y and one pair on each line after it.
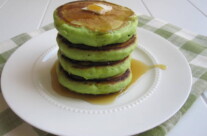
x,y
18,16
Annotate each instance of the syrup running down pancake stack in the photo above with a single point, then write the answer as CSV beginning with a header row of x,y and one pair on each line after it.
x,y
95,40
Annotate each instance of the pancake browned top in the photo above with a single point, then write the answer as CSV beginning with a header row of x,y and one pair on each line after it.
x,y
73,14
109,47
88,64
109,80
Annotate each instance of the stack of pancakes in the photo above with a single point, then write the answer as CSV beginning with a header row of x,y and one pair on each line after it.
x,y
95,40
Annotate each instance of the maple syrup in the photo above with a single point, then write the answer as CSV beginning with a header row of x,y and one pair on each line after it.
x,y
138,68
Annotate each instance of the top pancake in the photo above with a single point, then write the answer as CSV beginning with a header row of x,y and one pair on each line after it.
x,y
87,27
73,14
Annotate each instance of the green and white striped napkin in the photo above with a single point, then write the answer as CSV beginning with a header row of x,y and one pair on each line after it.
x,y
193,46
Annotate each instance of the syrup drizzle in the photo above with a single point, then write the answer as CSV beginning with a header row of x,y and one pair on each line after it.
x,y
138,68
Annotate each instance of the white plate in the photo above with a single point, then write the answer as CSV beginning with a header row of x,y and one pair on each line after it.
x,y
154,98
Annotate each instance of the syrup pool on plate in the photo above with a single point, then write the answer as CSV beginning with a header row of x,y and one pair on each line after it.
x,y
138,68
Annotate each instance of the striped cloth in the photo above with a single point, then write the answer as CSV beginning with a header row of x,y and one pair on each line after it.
x,y
193,46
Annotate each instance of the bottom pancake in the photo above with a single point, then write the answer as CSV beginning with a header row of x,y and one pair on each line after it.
x,y
93,86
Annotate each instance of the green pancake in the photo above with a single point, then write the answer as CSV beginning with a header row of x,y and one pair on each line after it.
x,y
110,52
84,27
109,85
94,70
